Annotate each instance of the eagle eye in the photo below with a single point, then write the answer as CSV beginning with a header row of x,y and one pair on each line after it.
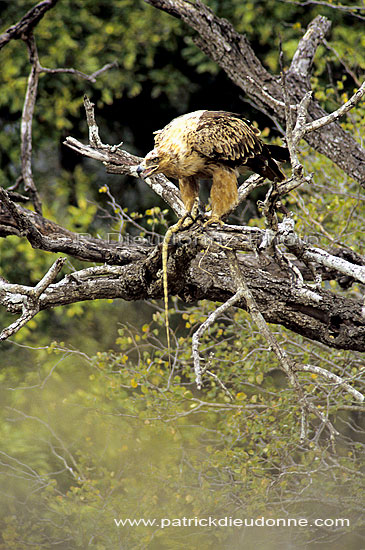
x,y
153,159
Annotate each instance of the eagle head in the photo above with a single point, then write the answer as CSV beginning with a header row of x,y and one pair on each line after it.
x,y
150,164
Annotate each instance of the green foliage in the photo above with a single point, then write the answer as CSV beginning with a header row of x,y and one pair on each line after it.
x,y
99,427
86,35
120,435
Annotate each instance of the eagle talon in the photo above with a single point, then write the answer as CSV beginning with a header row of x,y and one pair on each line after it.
x,y
194,212
213,220
186,220
195,218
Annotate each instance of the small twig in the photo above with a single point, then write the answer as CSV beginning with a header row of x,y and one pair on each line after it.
x,y
15,185
299,128
294,132
185,221
331,377
345,108
219,381
106,67
293,183
94,138
25,317
274,103
122,215
17,197
61,444
343,63
49,277
286,264
348,9
89,77
269,208
303,425
248,186
265,111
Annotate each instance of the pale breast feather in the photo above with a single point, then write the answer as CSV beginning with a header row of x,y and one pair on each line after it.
x,y
223,136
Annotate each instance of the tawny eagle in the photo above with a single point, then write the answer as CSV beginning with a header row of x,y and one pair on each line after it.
x,y
211,144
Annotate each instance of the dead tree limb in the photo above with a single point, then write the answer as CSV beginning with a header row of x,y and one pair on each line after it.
x,y
27,298
24,30
318,314
27,22
27,121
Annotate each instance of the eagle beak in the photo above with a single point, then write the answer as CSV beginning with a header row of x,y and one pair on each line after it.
x,y
144,173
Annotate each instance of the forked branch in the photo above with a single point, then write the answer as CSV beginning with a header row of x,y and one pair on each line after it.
x,y
14,295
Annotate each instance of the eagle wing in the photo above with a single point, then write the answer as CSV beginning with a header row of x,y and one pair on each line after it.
x,y
225,137
217,137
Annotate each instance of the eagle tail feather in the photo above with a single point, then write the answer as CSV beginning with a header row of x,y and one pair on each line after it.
x,y
265,166
279,153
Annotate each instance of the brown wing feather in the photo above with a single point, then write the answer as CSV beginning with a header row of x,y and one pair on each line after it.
x,y
219,137
226,137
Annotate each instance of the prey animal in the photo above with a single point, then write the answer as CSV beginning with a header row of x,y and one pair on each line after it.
x,y
215,145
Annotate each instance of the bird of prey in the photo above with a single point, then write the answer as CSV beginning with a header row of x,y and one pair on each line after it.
x,y
211,144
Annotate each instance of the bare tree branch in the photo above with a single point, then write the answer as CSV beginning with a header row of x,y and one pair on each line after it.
x,y
26,125
47,235
204,327
300,249
350,10
303,57
29,299
89,77
23,30
27,22
331,377
340,112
